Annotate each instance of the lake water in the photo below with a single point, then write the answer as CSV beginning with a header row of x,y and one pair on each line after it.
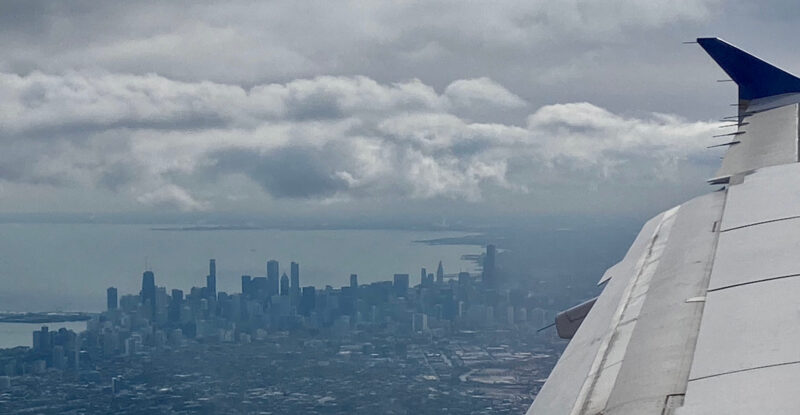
x,y
21,334
50,267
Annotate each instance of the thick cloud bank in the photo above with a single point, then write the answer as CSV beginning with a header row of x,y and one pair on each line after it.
x,y
154,141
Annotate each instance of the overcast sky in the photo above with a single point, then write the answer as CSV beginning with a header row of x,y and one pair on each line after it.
x,y
391,108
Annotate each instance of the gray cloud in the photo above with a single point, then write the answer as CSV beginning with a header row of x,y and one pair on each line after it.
x,y
194,106
115,176
171,196
381,141
292,172
547,52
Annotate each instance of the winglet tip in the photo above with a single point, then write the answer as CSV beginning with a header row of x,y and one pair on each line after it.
x,y
712,41
708,39
755,77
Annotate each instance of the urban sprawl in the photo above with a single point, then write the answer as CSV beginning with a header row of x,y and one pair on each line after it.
x,y
458,343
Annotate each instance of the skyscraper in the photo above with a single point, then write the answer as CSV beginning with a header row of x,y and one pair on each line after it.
x,y
259,288
273,278
294,289
440,274
284,284
111,298
308,300
175,305
246,279
354,281
148,294
400,285
211,279
423,277
489,278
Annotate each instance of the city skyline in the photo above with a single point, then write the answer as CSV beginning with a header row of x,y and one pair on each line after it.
x,y
434,328
266,283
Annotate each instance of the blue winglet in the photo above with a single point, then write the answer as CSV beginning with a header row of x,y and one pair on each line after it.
x,y
756,78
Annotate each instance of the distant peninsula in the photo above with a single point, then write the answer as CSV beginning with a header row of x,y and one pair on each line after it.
x,y
208,228
44,317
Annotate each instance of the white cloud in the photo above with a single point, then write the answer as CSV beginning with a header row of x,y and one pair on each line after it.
x,y
481,91
164,143
587,133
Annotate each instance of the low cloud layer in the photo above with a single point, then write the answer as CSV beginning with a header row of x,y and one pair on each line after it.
x,y
194,146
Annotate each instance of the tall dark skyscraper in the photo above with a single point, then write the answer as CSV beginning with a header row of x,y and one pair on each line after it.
x,y
294,289
308,301
148,294
259,288
111,298
423,277
489,277
284,284
175,305
440,273
400,285
353,280
273,278
246,284
211,279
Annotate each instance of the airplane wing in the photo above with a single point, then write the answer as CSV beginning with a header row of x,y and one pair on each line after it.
x,y
702,315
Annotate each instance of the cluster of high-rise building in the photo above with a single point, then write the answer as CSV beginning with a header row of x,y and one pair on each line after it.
x,y
277,301
59,350
275,305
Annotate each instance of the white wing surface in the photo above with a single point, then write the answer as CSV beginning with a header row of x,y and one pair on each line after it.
x,y
702,316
